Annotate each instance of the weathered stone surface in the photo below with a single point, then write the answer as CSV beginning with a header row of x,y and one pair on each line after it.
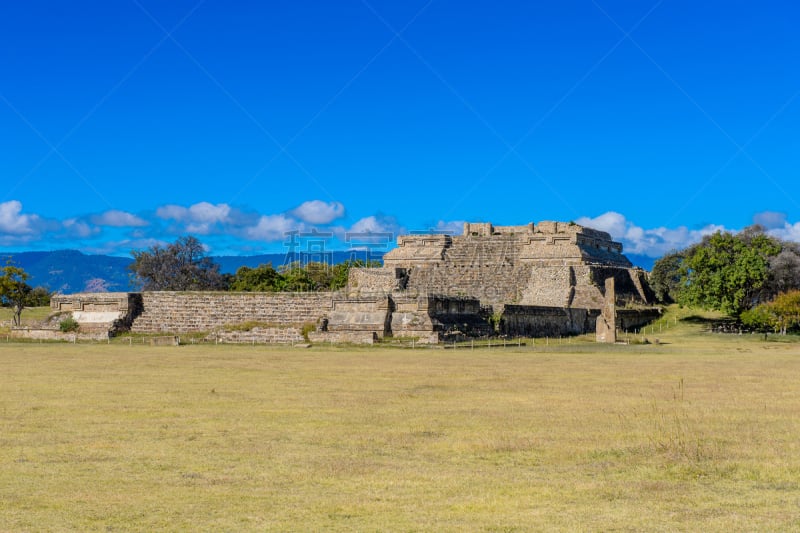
x,y
259,335
106,313
371,314
538,280
343,337
49,334
420,316
606,328
552,264
184,312
281,317
542,321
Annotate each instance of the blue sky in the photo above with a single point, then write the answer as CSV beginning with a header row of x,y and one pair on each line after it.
x,y
131,122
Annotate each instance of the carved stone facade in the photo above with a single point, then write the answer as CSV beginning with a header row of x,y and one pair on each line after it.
x,y
552,264
539,279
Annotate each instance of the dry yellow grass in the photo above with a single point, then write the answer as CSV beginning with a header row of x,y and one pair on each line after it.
x,y
701,432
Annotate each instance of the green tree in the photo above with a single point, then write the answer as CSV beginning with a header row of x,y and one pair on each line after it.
x,y
296,278
726,272
779,315
38,297
181,266
786,308
263,278
760,318
320,274
14,290
665,278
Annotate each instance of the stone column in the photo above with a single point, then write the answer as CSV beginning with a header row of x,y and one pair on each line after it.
x,y
607,321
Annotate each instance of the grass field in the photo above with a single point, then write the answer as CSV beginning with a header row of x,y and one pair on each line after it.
x,y
699,432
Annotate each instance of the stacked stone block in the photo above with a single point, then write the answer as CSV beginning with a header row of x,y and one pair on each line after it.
x,y
184,312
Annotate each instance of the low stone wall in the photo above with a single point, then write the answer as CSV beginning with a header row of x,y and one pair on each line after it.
x,y
630,319
343,337
539,321
282,317
57,335
365,314
257,335
184,312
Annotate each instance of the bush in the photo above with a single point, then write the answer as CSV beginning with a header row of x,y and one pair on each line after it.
x,y
308,327
68,325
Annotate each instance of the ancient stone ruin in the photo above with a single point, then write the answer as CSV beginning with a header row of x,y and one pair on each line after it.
x,y
607,321
551,264
545,279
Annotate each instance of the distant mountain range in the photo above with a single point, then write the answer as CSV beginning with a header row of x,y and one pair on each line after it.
x,y
70,271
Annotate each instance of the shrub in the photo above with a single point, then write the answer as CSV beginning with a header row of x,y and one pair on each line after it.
x,y
308,327
68,325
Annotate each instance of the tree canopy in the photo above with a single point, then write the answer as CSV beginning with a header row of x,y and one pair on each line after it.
x,y
14,290
665,278
779,315
296,277
180,266
183,266
728,272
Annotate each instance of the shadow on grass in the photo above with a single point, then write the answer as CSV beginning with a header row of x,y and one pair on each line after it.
x,y
697,319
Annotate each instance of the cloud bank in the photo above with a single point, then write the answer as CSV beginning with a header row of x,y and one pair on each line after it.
x,y
653,242
318,212
118,232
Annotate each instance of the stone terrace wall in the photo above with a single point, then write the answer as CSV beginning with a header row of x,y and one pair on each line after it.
x,y
183,312
360,315
538,321
258,335
432,317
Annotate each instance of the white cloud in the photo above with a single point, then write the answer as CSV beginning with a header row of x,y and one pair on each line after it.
x,y
119,219
13,222
653,242
199,218
75,227
770,219
201,212
172,212
378,231
789,232
318,212
778,226
453,227
209,213
273,228
377,224
611,222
